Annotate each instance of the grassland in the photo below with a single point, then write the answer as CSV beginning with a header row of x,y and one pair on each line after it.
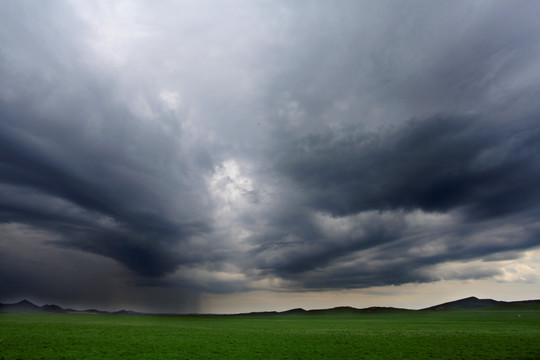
x,y
464,334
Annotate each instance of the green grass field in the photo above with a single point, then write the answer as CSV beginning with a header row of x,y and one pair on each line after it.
x,y
418,335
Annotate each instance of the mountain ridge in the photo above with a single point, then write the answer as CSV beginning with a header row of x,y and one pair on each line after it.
x,y
472,302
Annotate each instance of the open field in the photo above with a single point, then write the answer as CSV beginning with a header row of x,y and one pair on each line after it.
x,y
463,334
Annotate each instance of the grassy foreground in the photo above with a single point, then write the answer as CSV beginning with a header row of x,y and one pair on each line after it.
x,y
418,335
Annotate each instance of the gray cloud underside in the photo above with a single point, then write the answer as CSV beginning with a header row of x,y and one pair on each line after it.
x,y
485,178
435,165
97,199
375,150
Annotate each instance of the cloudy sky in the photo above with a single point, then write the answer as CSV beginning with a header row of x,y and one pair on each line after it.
x,y
224,156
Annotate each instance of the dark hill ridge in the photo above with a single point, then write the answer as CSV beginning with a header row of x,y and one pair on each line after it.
x,y
22,307
475,303
467,303
348,310
52,308
26,307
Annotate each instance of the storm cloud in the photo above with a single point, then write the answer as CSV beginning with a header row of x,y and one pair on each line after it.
x,y
179,149
435,165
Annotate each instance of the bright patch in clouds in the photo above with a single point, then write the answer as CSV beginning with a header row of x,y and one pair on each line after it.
x,y
171,100
230,186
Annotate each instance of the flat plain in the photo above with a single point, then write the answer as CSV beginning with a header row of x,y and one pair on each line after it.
x,y
460,334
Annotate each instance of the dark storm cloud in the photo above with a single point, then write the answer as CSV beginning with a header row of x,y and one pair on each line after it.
x,y
436,164
216,147
77,163
58,162
434,58
392,249
370,189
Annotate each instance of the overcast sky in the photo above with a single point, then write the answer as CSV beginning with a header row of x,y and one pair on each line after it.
x,y
221,156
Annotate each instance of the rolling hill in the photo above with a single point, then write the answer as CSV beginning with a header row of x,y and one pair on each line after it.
x,y
27,307
475,303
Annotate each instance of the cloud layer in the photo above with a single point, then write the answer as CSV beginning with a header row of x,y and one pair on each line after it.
x,y
287,147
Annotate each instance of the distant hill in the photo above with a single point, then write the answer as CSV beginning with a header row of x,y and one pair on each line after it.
x,y
22,307
294,311
467,303
348,310
53,308
26,307
475,303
